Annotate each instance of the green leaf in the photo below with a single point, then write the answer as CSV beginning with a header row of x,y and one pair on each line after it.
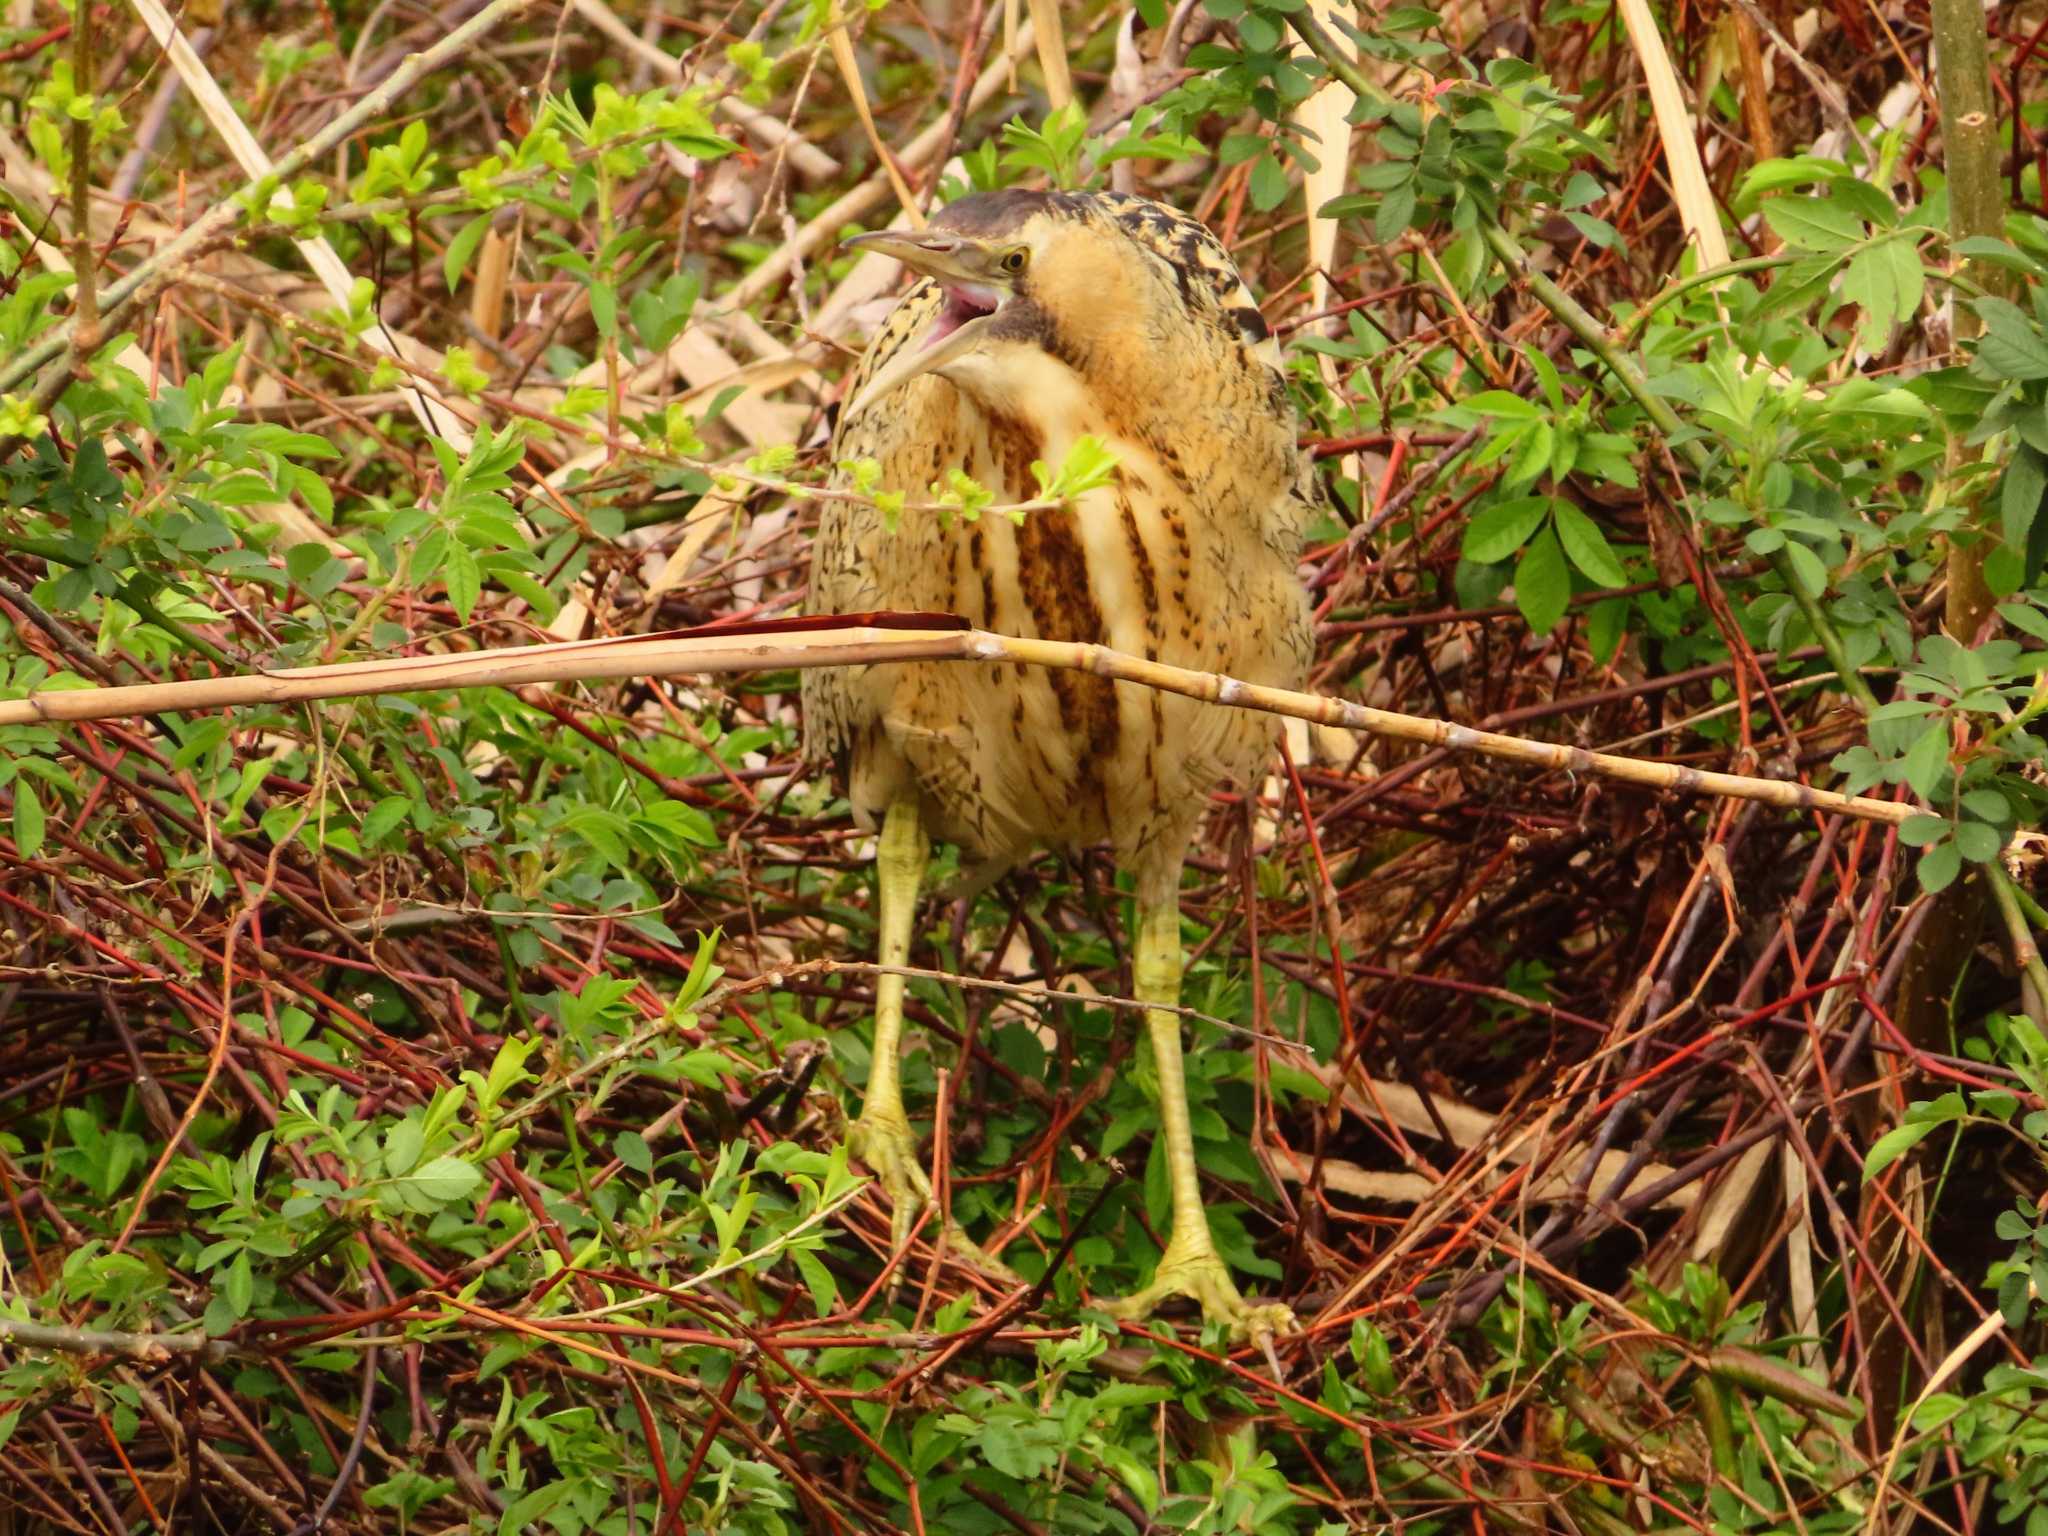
x,y
818,1279
1807,568
464,579
1812,224
462,247
402,1146
1867,283
631,1148
1269,184
604,308
1893,1145
2012,346
1988,805
28,820
385,815
1922,831
445,1179
1588,546
1978,842
1503,403
238,1284
1927,759
1531,456
1394,214
1936,1410
1909,277
1939,866
1543,587
1775,175
1089,465
2019,496
1498,531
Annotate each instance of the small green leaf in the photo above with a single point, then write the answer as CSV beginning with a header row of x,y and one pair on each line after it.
x,y
1927,759
1588,546
604,308
1269,184
1922,831
1812,224
1977,842
1988,805
1543,587
1893,1145
631,1148
1936,1410
1807,568
818,1280
238,1284
385,815
1498,531
28,820
1531,456
445,1179
2012,346
1502,403
2019,496
462,247
402,1146
463,578
1939,866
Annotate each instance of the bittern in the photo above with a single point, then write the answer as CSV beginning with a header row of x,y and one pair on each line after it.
x,y
1042,317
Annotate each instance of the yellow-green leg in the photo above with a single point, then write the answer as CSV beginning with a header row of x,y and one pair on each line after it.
x,y
882,1137
1191,1266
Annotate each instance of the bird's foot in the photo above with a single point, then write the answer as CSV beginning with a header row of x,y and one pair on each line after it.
x,y
1197,1271
884,1142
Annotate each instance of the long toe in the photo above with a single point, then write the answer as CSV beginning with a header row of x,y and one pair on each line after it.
x,y
1203,1278
890,1152
885,1144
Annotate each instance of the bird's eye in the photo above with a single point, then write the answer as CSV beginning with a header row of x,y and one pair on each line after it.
x,y
1015,260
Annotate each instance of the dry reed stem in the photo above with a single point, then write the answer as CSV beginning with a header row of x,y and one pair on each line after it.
x,y
859,644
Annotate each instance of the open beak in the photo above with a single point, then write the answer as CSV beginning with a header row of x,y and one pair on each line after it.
x,y
959,266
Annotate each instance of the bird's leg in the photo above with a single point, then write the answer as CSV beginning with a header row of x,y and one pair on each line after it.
x,y
1191,1266
882,1137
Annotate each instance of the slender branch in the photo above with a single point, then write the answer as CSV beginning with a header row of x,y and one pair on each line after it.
x,y
85,325
862,640
101,1341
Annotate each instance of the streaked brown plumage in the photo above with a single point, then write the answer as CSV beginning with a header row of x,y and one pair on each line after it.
x,y
1122,319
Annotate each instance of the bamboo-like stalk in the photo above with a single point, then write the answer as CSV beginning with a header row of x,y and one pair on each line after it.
x,y
1675,130
1051,38
863,642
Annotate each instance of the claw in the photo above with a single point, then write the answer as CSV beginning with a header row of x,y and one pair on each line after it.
x,y
885,1143
1198,1272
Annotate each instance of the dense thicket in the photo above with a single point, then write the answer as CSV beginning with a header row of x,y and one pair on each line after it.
x,y
420,1112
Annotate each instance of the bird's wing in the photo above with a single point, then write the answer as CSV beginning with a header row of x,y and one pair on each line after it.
x,y
858,563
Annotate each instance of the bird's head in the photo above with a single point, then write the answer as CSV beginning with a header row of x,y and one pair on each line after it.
x,y
1017,272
